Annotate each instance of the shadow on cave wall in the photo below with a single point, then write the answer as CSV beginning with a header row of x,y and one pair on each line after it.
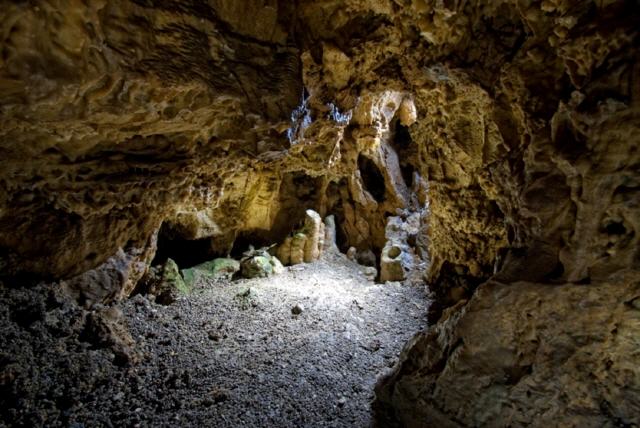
x,y
403,145
185,252
372,178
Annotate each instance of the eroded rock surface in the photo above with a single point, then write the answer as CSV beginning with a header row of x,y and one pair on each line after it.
x,y
510,128
499,361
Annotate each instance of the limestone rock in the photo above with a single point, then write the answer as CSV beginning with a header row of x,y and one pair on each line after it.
x,y
307,244
370,272
222,268
366,258
509,128
392,267
337,65
487,361
284,251
105,327
260,264
277,266
298,244
256,267
311,228
112,280
169,284
399,259
329,242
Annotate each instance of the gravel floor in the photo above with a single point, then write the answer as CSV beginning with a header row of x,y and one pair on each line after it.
x,y
231,354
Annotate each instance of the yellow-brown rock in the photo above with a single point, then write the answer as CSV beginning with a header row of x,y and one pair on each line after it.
x,y
509,129
498,360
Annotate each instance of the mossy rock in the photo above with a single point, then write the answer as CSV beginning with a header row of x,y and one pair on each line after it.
x,y
214,269
168,283
257,267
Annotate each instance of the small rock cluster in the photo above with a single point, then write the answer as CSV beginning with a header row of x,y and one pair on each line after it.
x,y
398,257
167,282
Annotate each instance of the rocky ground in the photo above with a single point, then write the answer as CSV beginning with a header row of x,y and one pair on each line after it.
x,y
300,349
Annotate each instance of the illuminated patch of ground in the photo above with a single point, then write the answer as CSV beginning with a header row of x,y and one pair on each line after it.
x,y
249,360
230,354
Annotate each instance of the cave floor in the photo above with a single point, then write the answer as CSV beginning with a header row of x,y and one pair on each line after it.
x,y
225,357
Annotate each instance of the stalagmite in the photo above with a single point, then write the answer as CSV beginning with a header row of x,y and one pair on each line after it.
x,y
298,244
311,227
284,251
330,234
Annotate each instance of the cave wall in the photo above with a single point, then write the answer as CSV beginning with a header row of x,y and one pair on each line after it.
x,y
512,126
121,116
118,115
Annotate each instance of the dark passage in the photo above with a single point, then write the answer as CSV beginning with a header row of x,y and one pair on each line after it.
x,y
185,252
372,178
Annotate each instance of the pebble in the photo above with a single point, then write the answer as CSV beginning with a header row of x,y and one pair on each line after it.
x,y
297,309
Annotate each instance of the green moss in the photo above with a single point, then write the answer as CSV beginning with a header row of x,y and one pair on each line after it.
x,y
171,278
257,267
214,269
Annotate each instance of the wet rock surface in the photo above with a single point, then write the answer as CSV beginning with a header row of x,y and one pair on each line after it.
x,y
209,359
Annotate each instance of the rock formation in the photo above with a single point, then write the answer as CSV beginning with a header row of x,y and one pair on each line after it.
x,y
260,264
307,244
507,131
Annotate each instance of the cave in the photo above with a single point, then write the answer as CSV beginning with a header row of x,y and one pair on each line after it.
x,y
372,178
360,213
185,252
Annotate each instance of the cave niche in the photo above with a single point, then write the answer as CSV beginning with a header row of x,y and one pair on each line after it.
x,y
372,178
185,252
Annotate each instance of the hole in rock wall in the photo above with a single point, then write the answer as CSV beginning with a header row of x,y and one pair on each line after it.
x,y
570,142
185,252
255,238
372,178
402,144
615,228
335,207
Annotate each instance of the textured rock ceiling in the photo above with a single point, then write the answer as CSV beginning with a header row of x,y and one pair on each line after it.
x,y
515,122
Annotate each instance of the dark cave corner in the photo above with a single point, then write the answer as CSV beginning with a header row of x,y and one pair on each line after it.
x,y
372,178
185,252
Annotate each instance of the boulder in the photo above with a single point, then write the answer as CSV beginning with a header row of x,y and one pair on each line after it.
x,y
256,267
167,283
351,253
112,280
106,328
222,268
366,258
397,258
391,263
260,264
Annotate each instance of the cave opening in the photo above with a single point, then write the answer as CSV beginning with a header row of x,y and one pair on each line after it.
x,y
185,252
256,239
372,178
402,143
